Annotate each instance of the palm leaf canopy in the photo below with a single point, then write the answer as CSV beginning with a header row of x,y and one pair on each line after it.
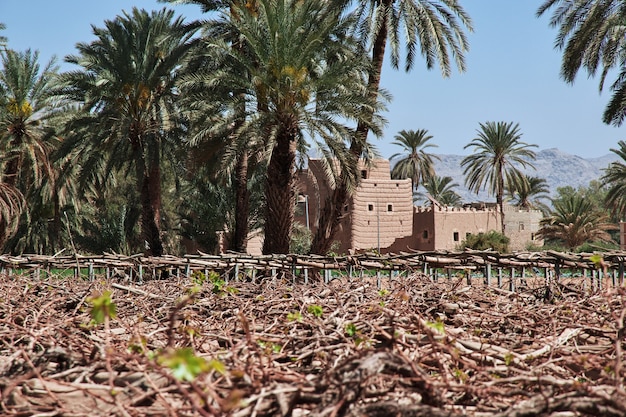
x,y
574,221
592,35
496,159
431,28
126,89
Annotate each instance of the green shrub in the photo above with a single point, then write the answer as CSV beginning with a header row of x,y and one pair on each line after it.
x,y
490,240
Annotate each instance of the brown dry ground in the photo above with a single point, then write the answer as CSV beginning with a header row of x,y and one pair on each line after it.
x,y
415,348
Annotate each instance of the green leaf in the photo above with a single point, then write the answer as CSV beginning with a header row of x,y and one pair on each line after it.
x,y
351,329
294,316
185,365
437,325
316,310
102,307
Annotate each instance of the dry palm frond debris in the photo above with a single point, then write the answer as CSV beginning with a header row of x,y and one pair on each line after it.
x,y
205,347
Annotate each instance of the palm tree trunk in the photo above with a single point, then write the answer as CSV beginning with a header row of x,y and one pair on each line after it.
x,y
151,212
242,201
280,192
150,196
331,213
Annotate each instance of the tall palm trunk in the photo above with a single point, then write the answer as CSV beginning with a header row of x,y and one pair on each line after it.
x,y
242,194
500,199
280,191
148,174
331,213
242,201
150,193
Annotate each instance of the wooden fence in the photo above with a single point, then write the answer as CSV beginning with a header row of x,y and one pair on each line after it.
x,y
492,267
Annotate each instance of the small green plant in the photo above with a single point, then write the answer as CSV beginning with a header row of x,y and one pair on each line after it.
x,y
102,308
294,316
351,329
269,347
186,366
460,375
198,278
316,310
437,325
508,359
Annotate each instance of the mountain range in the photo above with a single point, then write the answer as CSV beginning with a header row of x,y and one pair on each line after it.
x,y
557,167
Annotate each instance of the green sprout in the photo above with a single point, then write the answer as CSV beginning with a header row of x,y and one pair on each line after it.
x,y
316,310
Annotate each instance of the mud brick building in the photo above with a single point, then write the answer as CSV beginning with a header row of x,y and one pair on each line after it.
x,y
381,216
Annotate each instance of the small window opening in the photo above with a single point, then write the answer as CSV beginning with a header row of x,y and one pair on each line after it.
x,y
455,236
425,234
389,207
370,207
346,208
364,174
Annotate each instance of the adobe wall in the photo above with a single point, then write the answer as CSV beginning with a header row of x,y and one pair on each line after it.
x,y
444,228
521,226
382,213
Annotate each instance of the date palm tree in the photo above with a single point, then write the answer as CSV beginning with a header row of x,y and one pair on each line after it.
x,y
239,170
441,189
592,35
529,193
24,107
303,78
129,119
417,163
574,221
435,28
497,156
615,179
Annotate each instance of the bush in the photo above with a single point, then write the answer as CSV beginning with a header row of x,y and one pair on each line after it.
x,y
490,240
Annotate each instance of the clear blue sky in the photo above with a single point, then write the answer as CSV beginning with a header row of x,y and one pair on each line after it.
x,y
512,75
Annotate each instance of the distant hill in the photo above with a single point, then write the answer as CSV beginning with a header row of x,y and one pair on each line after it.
x,y
557,167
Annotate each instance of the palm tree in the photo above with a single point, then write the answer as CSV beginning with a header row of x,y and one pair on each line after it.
x,y
497,154
303,75
441,190
128,118
592,35
418,164
25,104
240,168
574,222
435,27
615,178
529,193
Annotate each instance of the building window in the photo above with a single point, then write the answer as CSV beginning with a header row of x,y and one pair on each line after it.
x,y
425,234
364,174
389,207
370,207
346,208
455,236
532,236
